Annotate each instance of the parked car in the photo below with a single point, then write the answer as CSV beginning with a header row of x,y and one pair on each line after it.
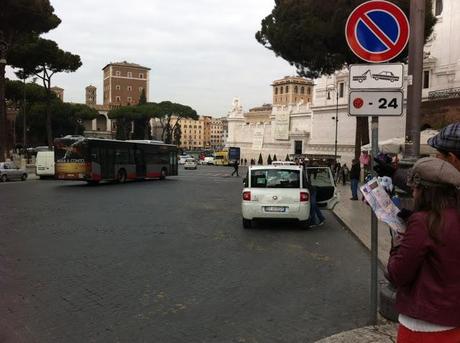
x,y
190,163
209,160
44,164
275,192
182,159
10,171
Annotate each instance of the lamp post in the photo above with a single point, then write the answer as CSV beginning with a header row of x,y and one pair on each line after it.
x,y
336,118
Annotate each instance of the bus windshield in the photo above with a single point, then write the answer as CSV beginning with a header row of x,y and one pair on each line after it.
x,y
70,150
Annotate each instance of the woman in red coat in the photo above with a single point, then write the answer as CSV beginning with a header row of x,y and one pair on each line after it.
x,y
425,264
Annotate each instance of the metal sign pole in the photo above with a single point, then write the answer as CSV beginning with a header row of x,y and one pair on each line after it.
x,y
374,232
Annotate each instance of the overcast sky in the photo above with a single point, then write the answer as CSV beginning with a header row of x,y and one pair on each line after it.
x,y
202,53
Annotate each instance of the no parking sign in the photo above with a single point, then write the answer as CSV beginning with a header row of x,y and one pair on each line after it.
x,y
377,31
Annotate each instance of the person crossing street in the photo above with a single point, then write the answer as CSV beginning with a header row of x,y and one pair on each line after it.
x,y
235,168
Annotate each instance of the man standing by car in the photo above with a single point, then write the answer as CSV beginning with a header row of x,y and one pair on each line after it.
x,y
354,178
235,168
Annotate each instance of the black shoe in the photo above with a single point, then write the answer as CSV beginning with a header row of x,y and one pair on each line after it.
x,y
354,199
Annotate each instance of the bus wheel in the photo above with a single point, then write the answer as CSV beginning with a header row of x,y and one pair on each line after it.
x,y
92,182
163,174
121,178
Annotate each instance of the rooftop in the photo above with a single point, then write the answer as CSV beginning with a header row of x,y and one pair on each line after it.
x,y
125,64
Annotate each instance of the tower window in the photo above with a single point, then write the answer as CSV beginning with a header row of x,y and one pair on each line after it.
x,y
117,73
117,87
130,74
438,8
426,79
130,88
341,89
141,76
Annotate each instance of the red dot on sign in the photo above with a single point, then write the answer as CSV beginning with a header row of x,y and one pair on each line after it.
x,y
358,103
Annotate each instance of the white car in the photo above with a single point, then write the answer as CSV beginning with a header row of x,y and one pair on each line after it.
x,y
208,160
190,163
275,192
182,159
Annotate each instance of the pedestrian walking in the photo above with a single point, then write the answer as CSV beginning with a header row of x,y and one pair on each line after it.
x,y
245,162
344,171
424,261
235,168
355,173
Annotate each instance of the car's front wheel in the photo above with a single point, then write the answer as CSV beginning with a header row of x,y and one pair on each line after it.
x,y
247,223
24,177
4,178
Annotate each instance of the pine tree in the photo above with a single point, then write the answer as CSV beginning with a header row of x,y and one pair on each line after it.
x,y
261,161
274,158
269,159
287,158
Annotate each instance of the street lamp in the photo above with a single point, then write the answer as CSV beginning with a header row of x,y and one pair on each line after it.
x,y
335,89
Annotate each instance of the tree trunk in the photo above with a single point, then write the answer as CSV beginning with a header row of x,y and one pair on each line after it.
x,y
358,137
49,127
3,141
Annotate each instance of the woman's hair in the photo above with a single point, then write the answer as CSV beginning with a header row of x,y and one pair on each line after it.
x,y
434,200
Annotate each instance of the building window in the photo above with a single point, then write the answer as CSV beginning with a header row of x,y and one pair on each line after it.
x,y
302,90
130,74
341,89
141,76
287,89
117,87
130,88
281,90
117,73
328,95
295,89
117,99
426,79
297,147
308,90
130,99
141,89
276,90
438,8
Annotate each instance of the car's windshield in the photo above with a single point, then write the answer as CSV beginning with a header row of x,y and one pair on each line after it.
x,y
275,178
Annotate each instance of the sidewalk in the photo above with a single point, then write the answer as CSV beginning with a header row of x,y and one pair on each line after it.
x,y
356,216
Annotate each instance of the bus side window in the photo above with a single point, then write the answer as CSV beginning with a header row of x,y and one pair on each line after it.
x,y
94,155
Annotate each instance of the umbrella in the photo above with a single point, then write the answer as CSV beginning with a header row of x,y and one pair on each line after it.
x,y
396,145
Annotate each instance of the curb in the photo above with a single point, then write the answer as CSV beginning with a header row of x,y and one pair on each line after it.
x,y
376,333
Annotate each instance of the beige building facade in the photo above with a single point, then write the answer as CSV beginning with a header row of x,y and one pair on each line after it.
x,y
124,83
195,134
292,90
217,133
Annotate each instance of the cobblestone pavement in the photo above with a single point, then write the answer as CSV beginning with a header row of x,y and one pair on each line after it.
x,y
169,261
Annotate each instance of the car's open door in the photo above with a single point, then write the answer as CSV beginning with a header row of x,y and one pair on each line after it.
x,y
322,179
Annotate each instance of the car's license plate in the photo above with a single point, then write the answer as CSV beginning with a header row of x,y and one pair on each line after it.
x,y
275,209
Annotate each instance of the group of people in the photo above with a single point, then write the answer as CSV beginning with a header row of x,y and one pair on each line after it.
x,y
424,262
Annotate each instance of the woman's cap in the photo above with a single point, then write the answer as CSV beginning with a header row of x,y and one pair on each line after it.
x,y
448,139
431,171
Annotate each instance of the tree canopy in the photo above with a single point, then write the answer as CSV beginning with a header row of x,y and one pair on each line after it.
x,y
309,34
19,19
43,58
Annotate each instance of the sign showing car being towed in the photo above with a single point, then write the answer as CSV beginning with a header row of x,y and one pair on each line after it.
x,y
376,76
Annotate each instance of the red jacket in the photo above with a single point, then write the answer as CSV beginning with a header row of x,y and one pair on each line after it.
x,y
426,274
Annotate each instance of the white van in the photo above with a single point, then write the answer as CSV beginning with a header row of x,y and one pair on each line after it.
x,y
44,164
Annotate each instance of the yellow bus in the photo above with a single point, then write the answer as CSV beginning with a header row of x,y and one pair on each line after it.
x,y
221,158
